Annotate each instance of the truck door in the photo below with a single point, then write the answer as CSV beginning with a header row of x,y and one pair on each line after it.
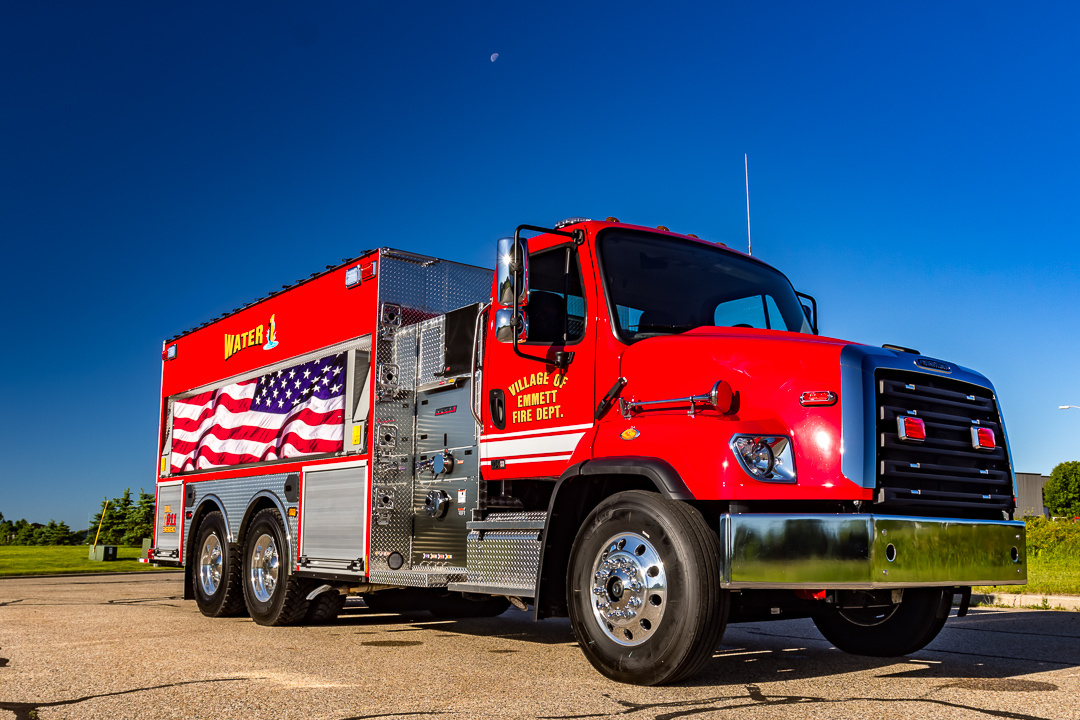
x,y
535,415
334,518
168,525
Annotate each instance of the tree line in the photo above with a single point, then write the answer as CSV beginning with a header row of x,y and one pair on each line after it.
x,y
1061,494
127,521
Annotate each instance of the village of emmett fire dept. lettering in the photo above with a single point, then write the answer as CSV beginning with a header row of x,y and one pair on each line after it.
x,y
539,404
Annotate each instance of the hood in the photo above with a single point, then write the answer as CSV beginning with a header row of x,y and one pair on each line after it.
x,y
689,363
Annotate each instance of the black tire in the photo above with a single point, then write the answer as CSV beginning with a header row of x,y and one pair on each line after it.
x,y
887,632
440,603
644,589
216,570
324,608
274,596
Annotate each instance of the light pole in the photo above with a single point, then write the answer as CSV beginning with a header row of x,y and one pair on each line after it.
x,y
1066,407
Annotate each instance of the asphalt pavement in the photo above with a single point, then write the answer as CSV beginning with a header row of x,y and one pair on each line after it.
x,y
129,647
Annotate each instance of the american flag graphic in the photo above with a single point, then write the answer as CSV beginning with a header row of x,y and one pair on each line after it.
x,y
286,413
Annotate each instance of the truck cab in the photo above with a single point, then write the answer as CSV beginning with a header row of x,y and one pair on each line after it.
x,y
833,479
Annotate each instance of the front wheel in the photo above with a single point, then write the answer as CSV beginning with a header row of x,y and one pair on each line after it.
x,y
890,631
274,596
644,589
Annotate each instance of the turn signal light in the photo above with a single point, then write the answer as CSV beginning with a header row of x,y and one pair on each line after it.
x,y
983,438
911,429
817,397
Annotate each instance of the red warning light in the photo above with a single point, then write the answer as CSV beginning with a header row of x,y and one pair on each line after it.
x,y
982,438
911,429
817,397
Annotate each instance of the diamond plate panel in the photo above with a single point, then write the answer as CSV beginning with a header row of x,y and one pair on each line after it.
x,y
505,559
391,502
431,351
425,287
504,551
417,579
236,494
525,516
418,289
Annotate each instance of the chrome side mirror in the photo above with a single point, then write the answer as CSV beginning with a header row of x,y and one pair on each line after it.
x,y
512,271
505,327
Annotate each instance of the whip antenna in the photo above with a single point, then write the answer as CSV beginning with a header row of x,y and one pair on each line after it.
x,y
746,168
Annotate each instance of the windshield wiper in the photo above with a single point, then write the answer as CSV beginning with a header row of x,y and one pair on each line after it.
x,y
663,329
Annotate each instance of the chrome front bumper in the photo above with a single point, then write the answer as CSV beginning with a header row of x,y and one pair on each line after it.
x,y
869,551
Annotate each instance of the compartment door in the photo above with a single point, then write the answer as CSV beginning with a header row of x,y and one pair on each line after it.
x,y
334,519
168,521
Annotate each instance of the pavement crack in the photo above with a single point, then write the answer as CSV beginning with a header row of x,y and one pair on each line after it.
x,y
757,698
1066,663
139,601
1012,632
29,710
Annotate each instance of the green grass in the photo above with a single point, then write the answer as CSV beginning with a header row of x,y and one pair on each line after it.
x,y
1053,555
23,560
1046,576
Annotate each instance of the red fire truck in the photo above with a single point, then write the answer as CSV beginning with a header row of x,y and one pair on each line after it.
x,y
637,429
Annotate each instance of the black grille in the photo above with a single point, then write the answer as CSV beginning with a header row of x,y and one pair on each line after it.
x,y
943,476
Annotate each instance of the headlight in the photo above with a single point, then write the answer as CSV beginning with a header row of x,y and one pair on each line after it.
x,y
765,457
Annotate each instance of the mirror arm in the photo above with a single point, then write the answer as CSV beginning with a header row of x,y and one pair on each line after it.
x,y
562,358
813,302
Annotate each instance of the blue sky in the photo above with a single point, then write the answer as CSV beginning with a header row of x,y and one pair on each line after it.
x,y
914,166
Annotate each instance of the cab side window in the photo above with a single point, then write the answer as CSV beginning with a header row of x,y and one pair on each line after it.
x,y
556,309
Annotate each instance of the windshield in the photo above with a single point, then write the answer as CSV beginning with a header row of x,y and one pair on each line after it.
x,y
660,285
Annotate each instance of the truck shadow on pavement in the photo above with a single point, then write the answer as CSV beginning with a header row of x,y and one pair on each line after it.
x,y
757,654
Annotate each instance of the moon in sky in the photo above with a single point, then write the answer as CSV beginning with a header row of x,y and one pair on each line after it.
x,y
494,57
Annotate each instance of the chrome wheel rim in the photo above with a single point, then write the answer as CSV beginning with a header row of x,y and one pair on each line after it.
x,y
263,575
210,564
629,589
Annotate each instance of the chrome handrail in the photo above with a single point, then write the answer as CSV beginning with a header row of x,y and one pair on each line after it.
x,y
473,366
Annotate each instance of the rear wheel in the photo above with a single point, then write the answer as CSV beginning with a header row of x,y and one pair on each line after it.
x,y
274,596
325,607
887,631
218,591
644,589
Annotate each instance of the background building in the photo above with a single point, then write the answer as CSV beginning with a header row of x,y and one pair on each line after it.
x,y
1029,501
